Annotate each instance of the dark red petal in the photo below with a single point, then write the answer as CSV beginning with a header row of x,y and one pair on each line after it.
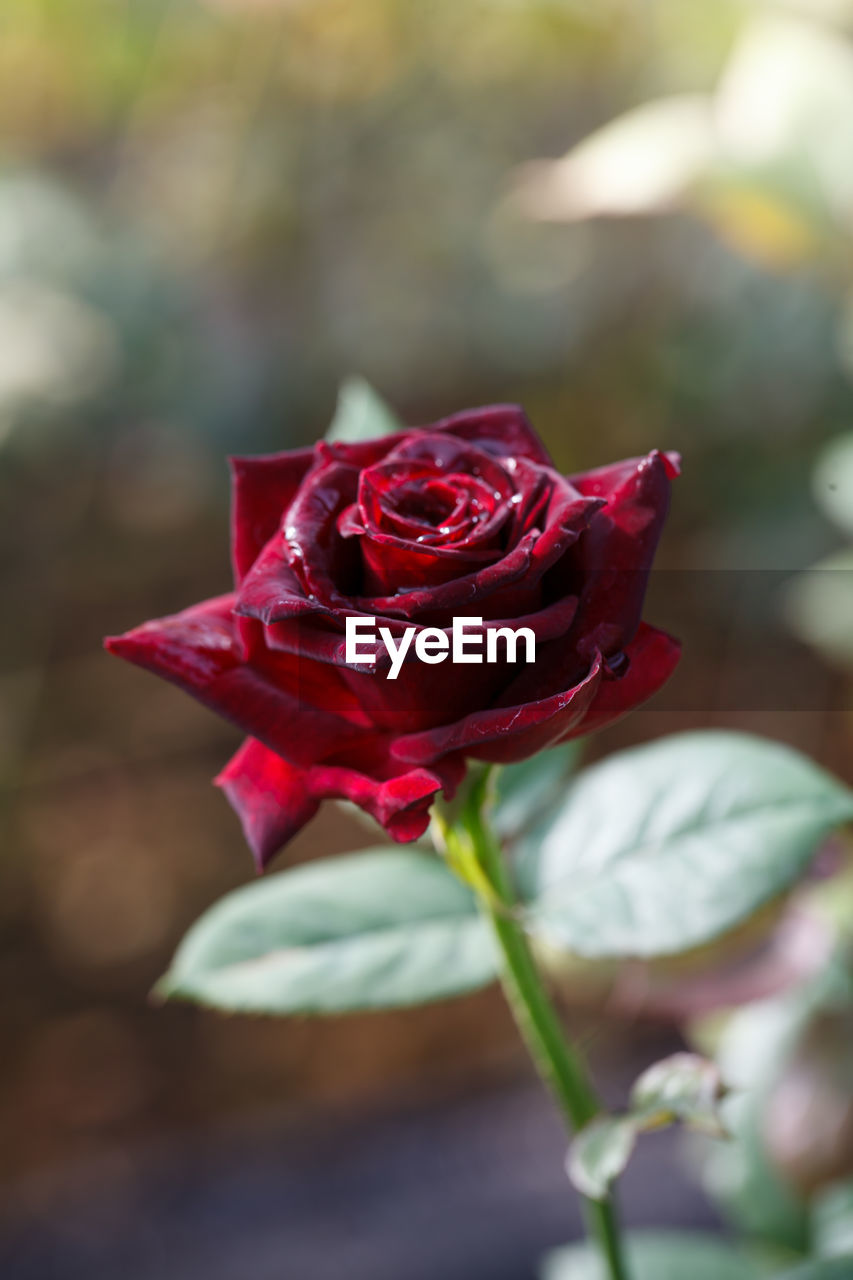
x,y
399,804
262,488
269,797
322,560
422,695
361,453
503,587
271,590
440,454
501,429
504,734
274,799
435,509
462,529
272,593
568,515
601,482
615,555
201,650
652,657
390,563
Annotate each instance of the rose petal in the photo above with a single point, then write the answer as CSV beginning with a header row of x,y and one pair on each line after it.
x,y
269,797
271,591
614,557
568,515
274,799
501,429
326,564
262,488
505,734
202,651
422,695
601,482
502,587
652,656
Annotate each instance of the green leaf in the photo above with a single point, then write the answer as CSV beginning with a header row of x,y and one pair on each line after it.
x,y
373,930
824,1269
682,1087
663,847
657,1255
361,414
600,1152
527,790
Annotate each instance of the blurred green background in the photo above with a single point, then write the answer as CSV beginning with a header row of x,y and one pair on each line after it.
x,y
211,212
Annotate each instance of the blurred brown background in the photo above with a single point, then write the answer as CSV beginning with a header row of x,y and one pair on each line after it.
x,y
210,213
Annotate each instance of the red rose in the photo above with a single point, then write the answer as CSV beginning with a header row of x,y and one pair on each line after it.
x,y
467,517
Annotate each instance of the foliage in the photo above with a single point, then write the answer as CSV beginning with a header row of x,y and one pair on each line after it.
x,y
683,1087
666,846
377,929
627,865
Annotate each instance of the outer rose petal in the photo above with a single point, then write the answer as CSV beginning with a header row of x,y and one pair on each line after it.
x,y
262,488
501,429
601,482
264,485
201,650
652,657
269,797
616,554
274,799
502,735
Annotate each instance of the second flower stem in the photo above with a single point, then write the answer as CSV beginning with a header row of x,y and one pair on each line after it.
x,y
536,1017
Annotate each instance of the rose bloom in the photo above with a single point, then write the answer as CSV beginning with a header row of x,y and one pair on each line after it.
x,y
466,517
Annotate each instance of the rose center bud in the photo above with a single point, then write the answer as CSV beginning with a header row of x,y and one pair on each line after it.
x,y
432,504
422,522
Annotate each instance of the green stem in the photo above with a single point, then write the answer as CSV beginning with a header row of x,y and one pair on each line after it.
x,y
536,1017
